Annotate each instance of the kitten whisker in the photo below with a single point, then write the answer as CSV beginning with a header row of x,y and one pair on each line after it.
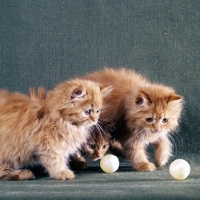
x,y
110,126
139,133
177,145
181,139
97,126
106,121
101,130
174,146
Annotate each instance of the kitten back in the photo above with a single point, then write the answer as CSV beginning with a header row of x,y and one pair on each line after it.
x,y
37,94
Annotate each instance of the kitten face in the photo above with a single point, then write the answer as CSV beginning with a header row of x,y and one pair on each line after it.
x,y
81,113
97,145
78,102
97,151
157,122
155,110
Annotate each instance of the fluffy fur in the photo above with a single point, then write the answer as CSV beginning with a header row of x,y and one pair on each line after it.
x,y
95,148
143,113
45,128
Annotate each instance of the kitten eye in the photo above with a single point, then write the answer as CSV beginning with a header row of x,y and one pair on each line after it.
x,y
149,120
104,146
165,120
98,111
92,146
87,112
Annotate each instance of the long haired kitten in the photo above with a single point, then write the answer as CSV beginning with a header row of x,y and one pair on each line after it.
x,y
46,128
94,148
143,114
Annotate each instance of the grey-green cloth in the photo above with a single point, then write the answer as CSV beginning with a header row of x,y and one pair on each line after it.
x,y
44,42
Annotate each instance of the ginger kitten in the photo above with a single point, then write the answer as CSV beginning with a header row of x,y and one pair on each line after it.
x,y
47,128
143,114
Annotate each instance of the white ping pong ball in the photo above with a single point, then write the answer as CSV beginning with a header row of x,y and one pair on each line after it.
x,y
179,169
109,163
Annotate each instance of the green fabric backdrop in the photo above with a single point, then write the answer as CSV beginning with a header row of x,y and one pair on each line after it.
x,y
44,42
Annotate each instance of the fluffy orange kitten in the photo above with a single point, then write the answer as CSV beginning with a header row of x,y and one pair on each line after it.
x,y
143,113
95,148
46,128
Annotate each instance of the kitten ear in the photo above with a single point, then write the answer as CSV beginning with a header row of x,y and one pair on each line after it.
x,y
174,97
106,90
142,99
139,100
78,93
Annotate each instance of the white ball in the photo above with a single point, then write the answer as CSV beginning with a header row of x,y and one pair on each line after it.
x,y
109,163
179,169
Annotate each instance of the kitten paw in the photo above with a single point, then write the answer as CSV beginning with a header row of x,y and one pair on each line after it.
x,y
19,175
65,175
83,165
79,165
160,163
146,167
24,175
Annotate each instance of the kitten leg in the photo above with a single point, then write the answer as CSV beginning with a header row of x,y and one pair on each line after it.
x,y
4,173
117,149
11,174
137,155
78,162
162,151
56,166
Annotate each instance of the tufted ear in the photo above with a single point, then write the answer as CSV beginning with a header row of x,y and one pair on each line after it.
x,y
106,90
142,99
78,93
174,97
139,100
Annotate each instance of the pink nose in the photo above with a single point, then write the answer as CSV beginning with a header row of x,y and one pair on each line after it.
x,y
156,130
94,120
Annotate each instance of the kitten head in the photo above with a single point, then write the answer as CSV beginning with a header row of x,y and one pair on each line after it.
x,y
97,145
154,109
77,101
